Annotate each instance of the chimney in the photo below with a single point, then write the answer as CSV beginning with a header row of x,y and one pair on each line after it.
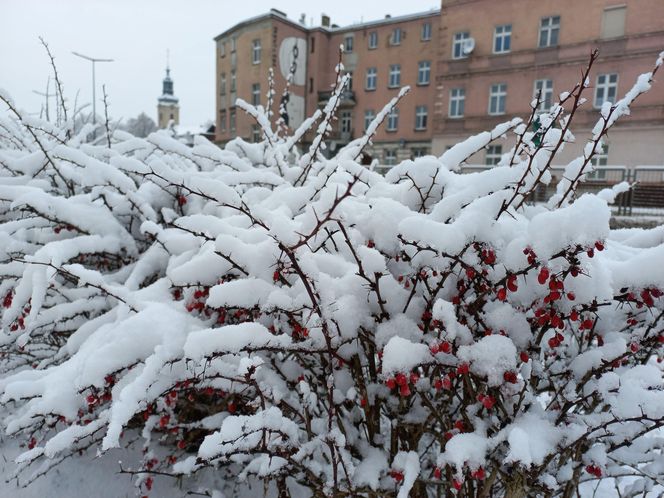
x,y
388,16
303,19
325,20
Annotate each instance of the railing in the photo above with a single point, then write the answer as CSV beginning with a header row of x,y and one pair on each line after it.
x,y
645,198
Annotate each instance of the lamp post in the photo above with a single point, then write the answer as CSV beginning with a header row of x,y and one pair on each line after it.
x,y
93,60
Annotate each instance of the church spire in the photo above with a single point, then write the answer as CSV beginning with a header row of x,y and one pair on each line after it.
x,y
167,108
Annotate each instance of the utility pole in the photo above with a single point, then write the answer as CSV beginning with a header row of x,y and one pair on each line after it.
x,y
94,61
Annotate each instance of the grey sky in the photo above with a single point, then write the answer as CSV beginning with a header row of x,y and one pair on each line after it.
x,y
136,33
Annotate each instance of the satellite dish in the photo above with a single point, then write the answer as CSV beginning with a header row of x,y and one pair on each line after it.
x,y
468,46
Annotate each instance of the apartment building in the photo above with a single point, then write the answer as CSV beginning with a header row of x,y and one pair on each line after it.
x,y
381,57
491,66
467,73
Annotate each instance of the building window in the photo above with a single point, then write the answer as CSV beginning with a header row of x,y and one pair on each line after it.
x,y
396,36
423,72
613,22
256,51
606,89
421,115
346,121
601,158
457,102
395,75
493,155
549,30
256,94
233,44
222,84
373,40
502,39
497,97
312,44
231,120
372,78
233,82
459,45
223,49
222,121
348,44
255,133
390,157
311,85
544,88
349,85
419,152
426,31
369,116
393,119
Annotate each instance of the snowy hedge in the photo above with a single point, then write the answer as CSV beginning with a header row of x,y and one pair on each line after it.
x,y
311,326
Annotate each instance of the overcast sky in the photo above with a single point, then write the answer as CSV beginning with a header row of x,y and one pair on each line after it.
x,y
137,33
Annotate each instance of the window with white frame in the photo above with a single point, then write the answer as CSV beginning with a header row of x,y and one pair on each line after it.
x,y
390,157
549,31
606,89
256,51
502,39
255,94
233,44
371,79
369,116
423,72
421,117
544,88
373,40
396,36
497,97
231,120
222,84
222,121
393,119
395,75
601,158
223,49
426,31
458,45
255,133
457,102
233,82
419,152
346,121
493,154
348,43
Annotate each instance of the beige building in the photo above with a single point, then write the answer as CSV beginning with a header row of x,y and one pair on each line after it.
x,y
492,65
381,56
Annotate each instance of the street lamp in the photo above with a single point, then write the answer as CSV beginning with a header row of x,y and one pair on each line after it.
x,y
93,60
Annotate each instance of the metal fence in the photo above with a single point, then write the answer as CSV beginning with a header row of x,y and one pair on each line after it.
x,y
645,198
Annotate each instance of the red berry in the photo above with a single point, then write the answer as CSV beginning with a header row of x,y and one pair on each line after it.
x,y
502,294
543,275
391,383
511,283
599,246
457,484
510,377
524,357
463,369
182,200
404,390
445,347
488,402
437,473
401,379
479,474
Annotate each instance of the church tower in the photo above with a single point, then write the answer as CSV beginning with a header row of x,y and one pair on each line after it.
x,y
167,108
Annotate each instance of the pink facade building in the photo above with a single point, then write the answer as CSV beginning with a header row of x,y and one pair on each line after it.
x,y
492,65
470,65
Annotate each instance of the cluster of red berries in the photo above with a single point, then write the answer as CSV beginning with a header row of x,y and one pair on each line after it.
x,y
402,382
594,470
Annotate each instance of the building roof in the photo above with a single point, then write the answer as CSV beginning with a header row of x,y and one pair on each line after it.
x,y
274,13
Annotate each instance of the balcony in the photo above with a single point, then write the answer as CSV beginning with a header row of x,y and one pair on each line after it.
x,y
347,98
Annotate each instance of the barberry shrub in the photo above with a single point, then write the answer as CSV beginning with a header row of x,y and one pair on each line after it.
x,y
305,324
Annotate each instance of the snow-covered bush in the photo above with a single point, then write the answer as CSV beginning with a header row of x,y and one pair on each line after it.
x,y
308,325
